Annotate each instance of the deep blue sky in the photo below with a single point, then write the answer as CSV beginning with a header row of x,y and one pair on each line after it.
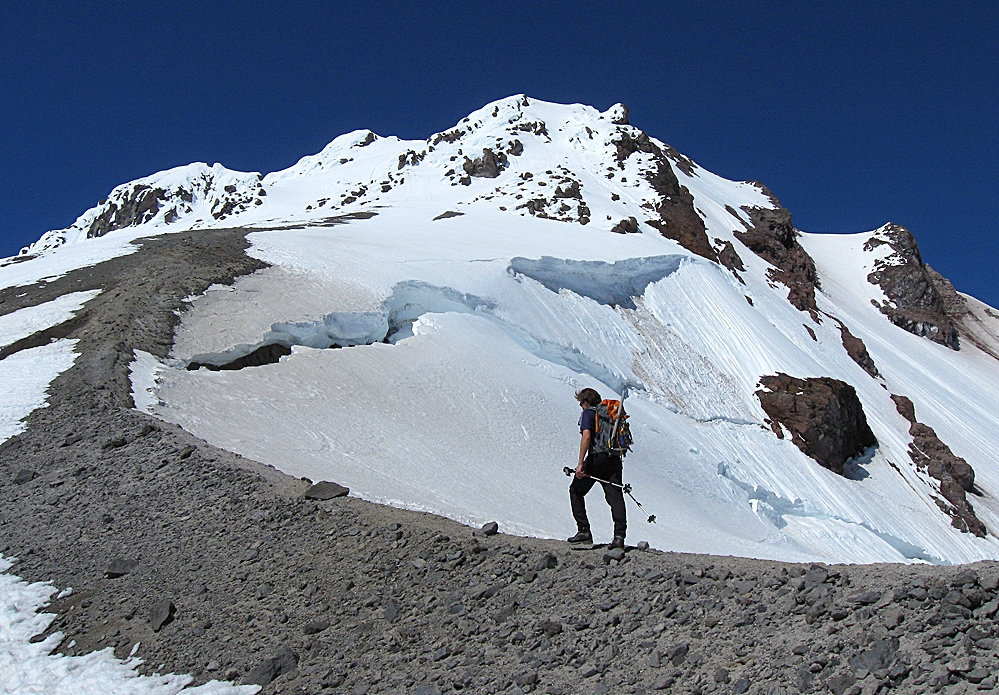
x,y
852,113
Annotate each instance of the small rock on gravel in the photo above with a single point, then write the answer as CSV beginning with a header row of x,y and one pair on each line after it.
x,y
24,476
427,689
391,610
119,567
614,554
315,627
326,490
161,614
663,682
547,562
272,667
490,529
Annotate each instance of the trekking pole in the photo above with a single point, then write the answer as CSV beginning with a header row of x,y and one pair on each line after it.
x,y
626,489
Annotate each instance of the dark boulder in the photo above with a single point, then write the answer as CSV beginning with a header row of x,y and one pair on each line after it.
x,y
24,476
571,190
823,415
326,490
490,528
119,567
626,226
160,614
315,627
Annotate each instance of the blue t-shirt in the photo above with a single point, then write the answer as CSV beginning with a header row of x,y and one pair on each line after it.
x,y
588,421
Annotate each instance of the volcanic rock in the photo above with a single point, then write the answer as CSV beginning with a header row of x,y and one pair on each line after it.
x,y
265,671
141,205
823,415
729,257
24,476
626,226
914,303
119,567
677,219
488,166
772,236
326,490
956,475
857,351
160,614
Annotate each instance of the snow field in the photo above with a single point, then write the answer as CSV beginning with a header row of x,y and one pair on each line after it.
x,y
24,322
26,374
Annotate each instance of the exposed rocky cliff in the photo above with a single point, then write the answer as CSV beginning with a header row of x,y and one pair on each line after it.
x,y
676,217
771,235
913,301
970,326
857,350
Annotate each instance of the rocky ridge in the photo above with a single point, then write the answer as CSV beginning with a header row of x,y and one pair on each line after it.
x,y
956,476
913,300
771,235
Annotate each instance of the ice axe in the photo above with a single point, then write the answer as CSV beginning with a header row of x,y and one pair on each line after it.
x,y
626,489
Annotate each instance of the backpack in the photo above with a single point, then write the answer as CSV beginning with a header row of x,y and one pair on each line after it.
x,y
613,434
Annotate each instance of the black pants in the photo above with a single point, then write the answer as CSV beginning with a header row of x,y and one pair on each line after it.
x,y
609,468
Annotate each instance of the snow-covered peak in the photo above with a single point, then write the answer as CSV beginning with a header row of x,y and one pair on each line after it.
x,y
186,192
518,156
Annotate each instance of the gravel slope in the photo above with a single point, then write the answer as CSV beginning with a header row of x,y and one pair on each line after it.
x,y
255,583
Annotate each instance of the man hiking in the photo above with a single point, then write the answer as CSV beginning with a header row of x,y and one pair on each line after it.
x,y
599,464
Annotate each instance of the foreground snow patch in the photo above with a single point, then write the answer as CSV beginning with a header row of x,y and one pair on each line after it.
x,y
25,376
32,668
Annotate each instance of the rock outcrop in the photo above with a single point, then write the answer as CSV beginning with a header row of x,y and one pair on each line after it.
x,y
969,326
728,256
823,416
676,217
956,476
488,166
914,302
771,235
140,205
857,351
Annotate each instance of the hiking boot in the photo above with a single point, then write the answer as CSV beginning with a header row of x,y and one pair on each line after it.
x,y
618,542
581,537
